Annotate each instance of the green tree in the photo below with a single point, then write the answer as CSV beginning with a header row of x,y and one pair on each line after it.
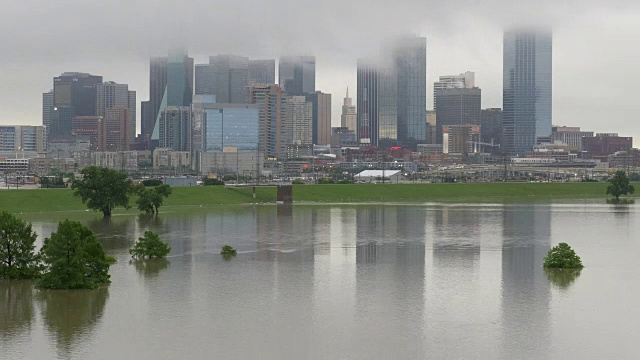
x,y
151,182
102,189
150,199
562,256
18,259
212,182
619,185
150,246
73,259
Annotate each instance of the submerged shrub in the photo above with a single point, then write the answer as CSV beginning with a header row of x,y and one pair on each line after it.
x,y
562,256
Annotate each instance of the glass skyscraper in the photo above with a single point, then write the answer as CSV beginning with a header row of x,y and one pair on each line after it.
x,y
527,88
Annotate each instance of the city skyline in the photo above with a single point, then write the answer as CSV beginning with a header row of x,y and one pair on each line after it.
x,y
474,45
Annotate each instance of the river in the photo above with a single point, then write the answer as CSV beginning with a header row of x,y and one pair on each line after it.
x,y
345,282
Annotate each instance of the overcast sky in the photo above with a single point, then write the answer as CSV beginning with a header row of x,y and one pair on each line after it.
x,y
596,48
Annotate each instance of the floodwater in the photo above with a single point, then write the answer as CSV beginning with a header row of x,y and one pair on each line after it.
x,y
346,282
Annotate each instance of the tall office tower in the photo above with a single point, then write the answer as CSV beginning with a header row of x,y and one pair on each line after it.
x,y
297,74
349,118
262,71
74,94
231,76
527,89
114,132
410,70
175,128
204,82
47,108
111,95
23,138
367,102
321,126
465,80
228,126
491,127
457,106
298,121
271,107
170,84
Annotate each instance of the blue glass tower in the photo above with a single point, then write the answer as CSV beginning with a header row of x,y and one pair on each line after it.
x,y
527,90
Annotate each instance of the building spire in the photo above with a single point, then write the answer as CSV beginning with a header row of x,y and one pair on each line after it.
x,y
347,92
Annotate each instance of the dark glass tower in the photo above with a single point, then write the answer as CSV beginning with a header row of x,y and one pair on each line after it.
x,y
74,94
527,89
297,74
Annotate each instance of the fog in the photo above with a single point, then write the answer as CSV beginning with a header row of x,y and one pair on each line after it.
x,y
595,48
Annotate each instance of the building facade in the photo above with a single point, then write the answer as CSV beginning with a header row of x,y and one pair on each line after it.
x,y
270,101
74,94
204,79
457,106
262,71
460,139
47,108
527,89
321,113
23,138
175,128
570,135
298,121
231,78
491,127
230,126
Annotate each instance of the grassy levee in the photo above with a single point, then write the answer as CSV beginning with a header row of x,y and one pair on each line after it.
x,y
51,200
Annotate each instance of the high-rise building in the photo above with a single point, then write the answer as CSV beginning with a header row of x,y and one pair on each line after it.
x,y
431,127
392,96
298,121
262,71
491,127
460,139
47,108
457,106
410,70
349,118
23,138
170,84
175,127
527,87
271,111
89,127
204,79
229,126
74,94
114,130
231,76
321,110
111,95
297,74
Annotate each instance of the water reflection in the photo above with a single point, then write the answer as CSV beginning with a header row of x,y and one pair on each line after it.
x,y
562,278
116,233
150,267
70,316
525,288
16,309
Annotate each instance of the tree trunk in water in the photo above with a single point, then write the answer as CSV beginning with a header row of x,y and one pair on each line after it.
x,y
106,212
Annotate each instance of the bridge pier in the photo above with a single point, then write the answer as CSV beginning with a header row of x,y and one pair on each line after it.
x,y
284,195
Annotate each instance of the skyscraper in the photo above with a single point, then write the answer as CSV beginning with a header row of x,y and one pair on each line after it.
x,y
110,95
410,67
298,121
465,80
348,119
262,71
47,108
527,89
114,130
392,95
204,81
491,127
175,128
170,84
231,78
297,74
74,94
271,111
321,110
457,106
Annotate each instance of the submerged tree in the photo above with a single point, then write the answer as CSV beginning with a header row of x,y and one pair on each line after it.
x,y
562,256
228,252
102,189
18,259
73,259
619,185
150,246
150,199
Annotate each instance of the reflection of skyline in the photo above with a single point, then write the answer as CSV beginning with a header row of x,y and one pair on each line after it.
x,y
525,288
16,311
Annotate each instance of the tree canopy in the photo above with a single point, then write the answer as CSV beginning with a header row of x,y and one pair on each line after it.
x,y
73,259
150,246
150,199
619,185
562,256
18,259
102,189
